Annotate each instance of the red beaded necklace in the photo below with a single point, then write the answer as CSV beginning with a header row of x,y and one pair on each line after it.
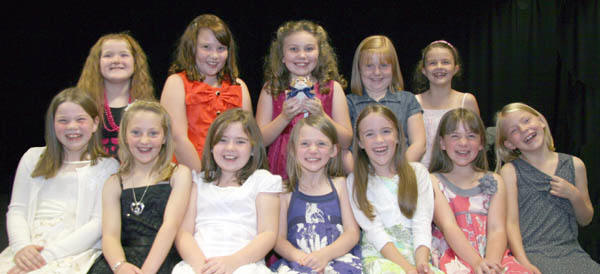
x,y
109,117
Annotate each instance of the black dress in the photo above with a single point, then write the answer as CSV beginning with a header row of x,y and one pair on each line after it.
x,y
138,232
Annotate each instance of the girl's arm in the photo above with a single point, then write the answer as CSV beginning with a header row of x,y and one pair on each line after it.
x,y
339,114
423,216
267,209
496,226
184,240
513,230
283,247
246,99
271,128
416,137
319,259
444,219
173,99
577,194
111,224
471,103
181,181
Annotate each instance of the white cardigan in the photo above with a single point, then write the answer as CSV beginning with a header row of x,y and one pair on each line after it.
x,y
387,212
88,219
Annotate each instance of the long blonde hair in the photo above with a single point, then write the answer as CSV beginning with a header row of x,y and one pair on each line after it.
x,y
91,79
277,76
383,47
163,165
407,180
293,168
504,154
52,158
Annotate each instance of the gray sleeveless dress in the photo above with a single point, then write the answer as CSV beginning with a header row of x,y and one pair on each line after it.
x,y
548,224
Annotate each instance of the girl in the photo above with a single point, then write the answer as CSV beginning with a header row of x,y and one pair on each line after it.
x,y
142,203
470,202
392,199
300,51
53,219
547,194
231,222
376,78
439,64
115,74
203,83
317,231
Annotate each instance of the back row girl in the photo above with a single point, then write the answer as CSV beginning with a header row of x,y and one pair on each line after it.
x,y
115,74
300,53
203,83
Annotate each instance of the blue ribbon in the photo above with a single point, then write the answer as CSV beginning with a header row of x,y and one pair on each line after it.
x,y
306,91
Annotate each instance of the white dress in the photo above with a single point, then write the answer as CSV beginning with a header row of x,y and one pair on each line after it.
x,y
226,219
62,214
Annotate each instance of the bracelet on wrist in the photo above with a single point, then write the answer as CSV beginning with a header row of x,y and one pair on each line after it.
x,y
116,266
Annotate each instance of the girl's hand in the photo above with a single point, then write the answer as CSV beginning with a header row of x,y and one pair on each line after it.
x,y
29,258
126,268
411,270
485,266
423,268
291,108
561,188
16,270
219,265
314,106
316,260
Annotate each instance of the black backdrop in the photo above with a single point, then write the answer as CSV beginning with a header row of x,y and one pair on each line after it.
x,y
544,53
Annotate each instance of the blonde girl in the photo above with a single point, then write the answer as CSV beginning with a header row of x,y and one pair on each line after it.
x,y
54,216
231,221
547,194
439,64
391,198
300,52
317,231
203,83
142,203
115,74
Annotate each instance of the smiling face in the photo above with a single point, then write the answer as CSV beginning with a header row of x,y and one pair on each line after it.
x,y
439,66
74,127
379,138
462,145
300,53
116,61
523,131
145,137
375,73
313,149
233,150
211,55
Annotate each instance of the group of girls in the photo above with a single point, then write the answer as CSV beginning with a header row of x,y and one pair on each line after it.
x,y
195,191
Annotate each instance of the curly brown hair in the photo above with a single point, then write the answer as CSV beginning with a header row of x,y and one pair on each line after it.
x,y
420,82
277,77
185,54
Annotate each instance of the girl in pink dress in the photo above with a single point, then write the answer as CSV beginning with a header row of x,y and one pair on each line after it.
x,y
300,52
469,235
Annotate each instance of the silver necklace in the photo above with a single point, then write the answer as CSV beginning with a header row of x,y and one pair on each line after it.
x,y
138,207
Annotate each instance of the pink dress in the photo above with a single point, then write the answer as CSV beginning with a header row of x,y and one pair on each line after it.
x,y
470,207
278,149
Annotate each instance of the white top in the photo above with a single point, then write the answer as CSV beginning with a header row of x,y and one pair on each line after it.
x,y
24,207
387,212
226,216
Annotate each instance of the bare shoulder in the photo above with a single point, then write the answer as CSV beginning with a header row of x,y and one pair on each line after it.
x,y
240,82
339,183
181,175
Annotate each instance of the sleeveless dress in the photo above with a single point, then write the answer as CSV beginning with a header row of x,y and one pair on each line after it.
x,y
315,222
138,232
432,118
203,103
278,149
548,224
226,218
470,207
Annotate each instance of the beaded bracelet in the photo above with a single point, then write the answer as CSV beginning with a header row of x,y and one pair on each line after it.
x,y
114,267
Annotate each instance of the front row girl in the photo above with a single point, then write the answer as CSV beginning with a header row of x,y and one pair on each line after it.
x,y
547,194
142,202
54,215
469,235
391,198
317,231
231,222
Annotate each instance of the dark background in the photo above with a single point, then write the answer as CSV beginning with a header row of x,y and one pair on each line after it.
x,y
540,52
